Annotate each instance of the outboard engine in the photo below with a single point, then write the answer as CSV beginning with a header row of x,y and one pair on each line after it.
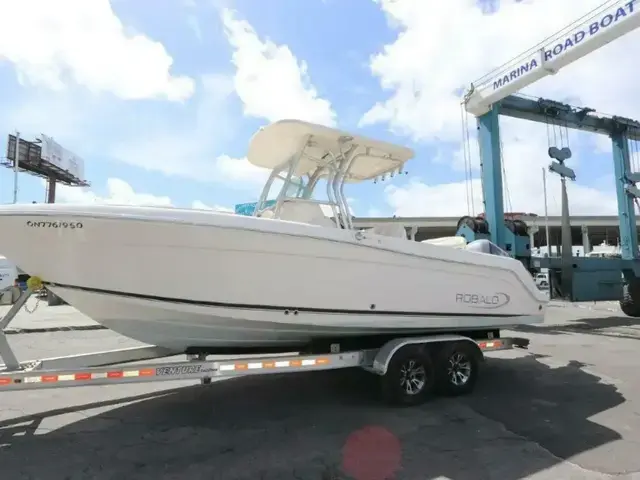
x,y
515,234
485,246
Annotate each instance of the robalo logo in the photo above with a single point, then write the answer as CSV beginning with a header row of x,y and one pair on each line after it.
x,y
479,300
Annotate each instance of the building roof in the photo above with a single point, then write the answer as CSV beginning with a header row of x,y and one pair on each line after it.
x,y
451,222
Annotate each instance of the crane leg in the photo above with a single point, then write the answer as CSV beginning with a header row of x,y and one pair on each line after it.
x,y
491,171
626,194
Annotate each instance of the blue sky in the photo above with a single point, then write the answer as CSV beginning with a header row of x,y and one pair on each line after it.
x,y
405,56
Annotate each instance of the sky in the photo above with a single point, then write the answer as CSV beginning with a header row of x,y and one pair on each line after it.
x,y
160,98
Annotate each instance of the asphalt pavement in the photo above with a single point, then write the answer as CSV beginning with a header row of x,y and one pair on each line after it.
x,y
568,408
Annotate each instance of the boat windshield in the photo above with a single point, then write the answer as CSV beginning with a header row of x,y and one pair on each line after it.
x,y
287,187
296,188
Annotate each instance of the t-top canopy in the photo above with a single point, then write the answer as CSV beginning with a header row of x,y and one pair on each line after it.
x,y
274,145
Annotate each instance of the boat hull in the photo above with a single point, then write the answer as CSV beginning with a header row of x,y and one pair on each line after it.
x,y
180,325
171,277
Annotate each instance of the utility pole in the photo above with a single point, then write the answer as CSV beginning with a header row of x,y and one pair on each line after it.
x,y
15,169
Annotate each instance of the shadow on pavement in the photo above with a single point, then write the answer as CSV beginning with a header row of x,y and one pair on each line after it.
x,y
589,326
295,427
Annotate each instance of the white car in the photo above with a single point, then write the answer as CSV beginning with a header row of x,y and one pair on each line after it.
x,y
542,280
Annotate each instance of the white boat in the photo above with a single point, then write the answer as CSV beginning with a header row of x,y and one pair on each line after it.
x,y
195,280
605,250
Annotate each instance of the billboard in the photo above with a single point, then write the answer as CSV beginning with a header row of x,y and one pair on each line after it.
x,y
45,158
61,158
248,208
28,153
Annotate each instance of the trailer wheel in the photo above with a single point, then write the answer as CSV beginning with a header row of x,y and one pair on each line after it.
x,y
630,303
457,365
410,377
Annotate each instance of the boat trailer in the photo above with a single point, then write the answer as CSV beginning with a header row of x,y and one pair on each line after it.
x,y
410,368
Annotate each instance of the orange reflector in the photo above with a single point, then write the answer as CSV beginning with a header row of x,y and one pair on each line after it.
x,y
115,374
322,361
147,372
49,378
296,363
82,376
5,381
269,364
241,366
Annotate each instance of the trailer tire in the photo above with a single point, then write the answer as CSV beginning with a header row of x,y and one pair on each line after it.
x,y
410,377
457,365
630,303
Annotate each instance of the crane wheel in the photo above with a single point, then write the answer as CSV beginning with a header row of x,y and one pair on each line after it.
x,y
482,226
520,228
630,303
469,222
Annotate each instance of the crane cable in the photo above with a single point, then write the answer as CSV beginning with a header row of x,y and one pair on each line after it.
x,y
468,141
634,163
551,132
466,152
506,194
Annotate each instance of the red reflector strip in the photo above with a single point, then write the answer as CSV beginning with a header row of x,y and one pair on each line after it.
x,y
268,364
80,376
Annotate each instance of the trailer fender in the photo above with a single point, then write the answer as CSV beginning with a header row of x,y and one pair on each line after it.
x,y
385,354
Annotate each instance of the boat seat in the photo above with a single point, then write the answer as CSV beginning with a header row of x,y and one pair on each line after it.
x,y
390,230
305,212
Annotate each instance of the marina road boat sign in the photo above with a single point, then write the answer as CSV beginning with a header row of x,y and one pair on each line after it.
x,y
248,208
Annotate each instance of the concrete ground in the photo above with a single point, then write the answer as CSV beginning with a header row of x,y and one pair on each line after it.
x,y
569,408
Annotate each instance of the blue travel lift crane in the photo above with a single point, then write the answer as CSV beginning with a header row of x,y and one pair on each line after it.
x,y
571,278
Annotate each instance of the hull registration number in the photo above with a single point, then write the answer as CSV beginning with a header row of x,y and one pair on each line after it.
x,y
69,225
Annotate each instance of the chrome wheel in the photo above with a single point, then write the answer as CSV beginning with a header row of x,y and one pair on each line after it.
x,y
459,369
413,377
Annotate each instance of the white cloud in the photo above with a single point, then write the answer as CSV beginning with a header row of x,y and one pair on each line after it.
x,y
270,80
375,213
53,43
429,63
240,170
119,192
192,18
449,199
186,150
194,25
179,142
198,205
